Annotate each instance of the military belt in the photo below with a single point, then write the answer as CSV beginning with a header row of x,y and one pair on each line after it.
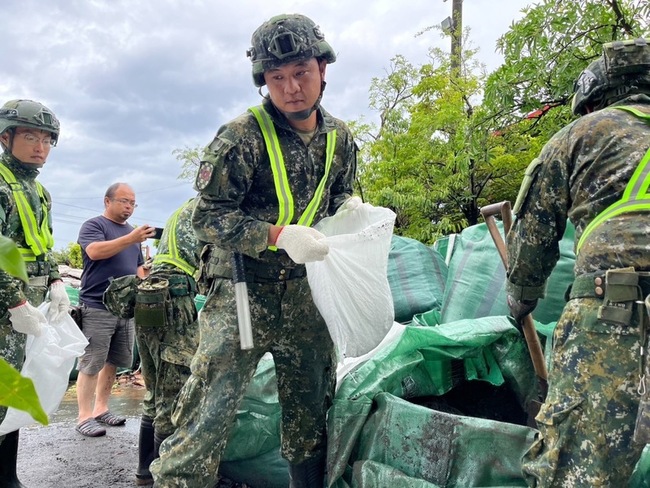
x,y
257,273
38,281
38,268
594,285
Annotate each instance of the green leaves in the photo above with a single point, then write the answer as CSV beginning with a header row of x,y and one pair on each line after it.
x,y
18,392
10,259
447,144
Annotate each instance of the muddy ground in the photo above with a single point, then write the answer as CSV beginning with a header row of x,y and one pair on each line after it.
x,y
57,456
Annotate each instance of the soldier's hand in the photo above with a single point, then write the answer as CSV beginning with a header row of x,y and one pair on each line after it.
x,y
350,204
27,319
302,244
520,308
59,302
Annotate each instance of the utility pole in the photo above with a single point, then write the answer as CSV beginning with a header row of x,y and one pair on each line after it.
x,y
453,27
456,36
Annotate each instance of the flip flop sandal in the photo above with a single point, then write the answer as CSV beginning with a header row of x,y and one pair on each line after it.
x,y
111,419
90,428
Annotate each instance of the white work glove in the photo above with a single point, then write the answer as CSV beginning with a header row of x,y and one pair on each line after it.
x,y
59,302
350,204
302,244
27,319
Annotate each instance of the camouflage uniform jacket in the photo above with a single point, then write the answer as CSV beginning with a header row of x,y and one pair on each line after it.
x,y
237,199
582,170
11,289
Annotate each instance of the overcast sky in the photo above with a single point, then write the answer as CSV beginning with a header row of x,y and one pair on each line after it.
x,y
131,81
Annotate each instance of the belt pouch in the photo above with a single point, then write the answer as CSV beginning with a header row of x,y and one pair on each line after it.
x,y
621,291
151,303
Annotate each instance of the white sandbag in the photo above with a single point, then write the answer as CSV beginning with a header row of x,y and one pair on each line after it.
x,y
350,286
49,359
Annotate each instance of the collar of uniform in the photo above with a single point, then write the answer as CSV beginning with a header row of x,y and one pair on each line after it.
x,y
20,170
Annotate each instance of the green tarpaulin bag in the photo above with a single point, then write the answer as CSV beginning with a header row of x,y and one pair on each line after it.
x,y
476,279
417,276
428,362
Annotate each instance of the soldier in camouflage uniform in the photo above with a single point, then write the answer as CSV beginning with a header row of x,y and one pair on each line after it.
x,y
166,349
246,205
590,172
27,132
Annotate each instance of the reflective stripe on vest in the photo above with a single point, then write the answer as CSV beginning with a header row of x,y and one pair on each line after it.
x,y
636,197
282,187
172,256
39,239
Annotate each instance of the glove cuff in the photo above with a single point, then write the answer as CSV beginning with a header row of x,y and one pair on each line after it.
x,y
20,311
18,305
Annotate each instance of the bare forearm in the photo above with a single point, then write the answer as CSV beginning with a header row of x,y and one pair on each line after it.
x,y
106,249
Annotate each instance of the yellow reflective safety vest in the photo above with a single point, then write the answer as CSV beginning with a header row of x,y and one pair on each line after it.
x,y
38,237
282,187
636,197
172,256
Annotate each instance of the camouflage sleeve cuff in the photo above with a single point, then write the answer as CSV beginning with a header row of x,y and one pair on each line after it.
x,y
11,294
519,292
54,271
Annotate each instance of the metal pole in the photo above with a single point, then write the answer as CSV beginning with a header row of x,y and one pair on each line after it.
x,y
456,36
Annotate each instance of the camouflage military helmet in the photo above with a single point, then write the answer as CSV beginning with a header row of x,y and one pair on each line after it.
x,y
285,39
589,88
119,297
27,113
622,70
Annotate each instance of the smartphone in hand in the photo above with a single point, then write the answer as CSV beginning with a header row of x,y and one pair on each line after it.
x,y
158,234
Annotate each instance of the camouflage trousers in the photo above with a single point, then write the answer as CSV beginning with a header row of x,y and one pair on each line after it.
x,y
587,422
165,356
12,343
286,323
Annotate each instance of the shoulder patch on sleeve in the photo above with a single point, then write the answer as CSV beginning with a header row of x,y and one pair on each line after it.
x,y
529,177
204,175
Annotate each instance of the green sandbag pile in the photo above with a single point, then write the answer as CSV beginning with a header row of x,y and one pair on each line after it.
x,y
382,427
476,278
417,276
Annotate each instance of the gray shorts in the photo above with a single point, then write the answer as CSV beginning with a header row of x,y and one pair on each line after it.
x,y
110,340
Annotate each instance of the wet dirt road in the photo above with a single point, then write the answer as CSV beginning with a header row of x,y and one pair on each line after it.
x,y
56,456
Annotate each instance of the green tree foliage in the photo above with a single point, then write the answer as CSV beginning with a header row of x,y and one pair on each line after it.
x,y
190,158
546,50
435,158
70,256
448,142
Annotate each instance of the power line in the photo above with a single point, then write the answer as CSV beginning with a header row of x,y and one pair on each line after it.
x,y
76,206
139,192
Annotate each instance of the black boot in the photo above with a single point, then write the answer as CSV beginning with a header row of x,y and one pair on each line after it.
x,y
145,452
8,455
308,474
158,439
